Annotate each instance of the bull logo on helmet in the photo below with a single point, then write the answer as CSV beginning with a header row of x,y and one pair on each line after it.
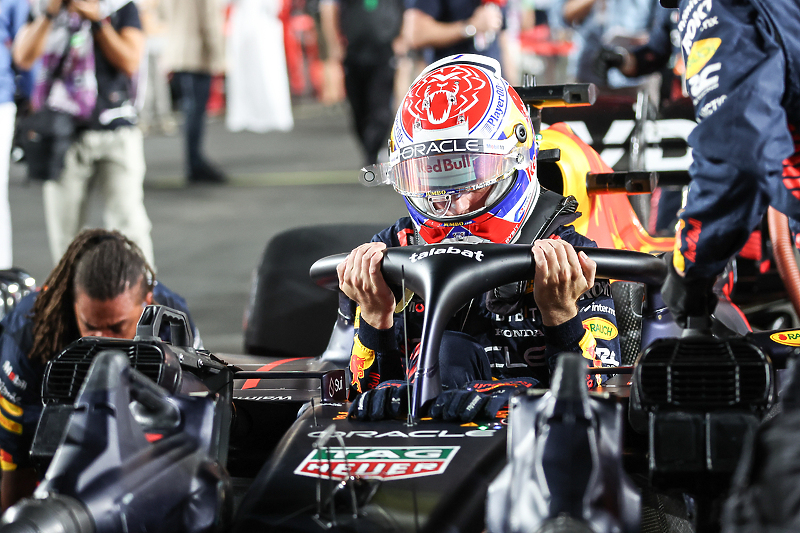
x,y
447,97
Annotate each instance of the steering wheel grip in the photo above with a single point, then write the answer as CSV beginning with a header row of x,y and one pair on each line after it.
x,y
611,263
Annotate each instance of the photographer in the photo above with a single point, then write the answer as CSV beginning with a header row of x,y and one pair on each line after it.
x,y
90,51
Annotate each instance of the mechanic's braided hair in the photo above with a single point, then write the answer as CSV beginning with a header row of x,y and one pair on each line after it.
x,y
103,264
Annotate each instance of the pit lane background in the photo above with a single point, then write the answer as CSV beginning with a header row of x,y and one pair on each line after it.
x,y
208,239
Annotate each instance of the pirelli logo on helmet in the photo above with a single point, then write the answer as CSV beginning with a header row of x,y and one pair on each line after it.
x,y
444,146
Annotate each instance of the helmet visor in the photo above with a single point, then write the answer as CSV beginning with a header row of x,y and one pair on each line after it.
x,y
452,172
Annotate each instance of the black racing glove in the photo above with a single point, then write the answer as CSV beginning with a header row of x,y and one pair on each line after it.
x,y
687,297
480,399
507,299
388,400
462,405
606,58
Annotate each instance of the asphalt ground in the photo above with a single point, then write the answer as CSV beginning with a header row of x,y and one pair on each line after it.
x,y
208,239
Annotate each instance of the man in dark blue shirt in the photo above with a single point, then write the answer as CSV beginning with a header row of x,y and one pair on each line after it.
x,y
98,289
361,40
451,27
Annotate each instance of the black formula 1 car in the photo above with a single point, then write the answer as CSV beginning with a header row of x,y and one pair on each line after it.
x,y
150,453
564,456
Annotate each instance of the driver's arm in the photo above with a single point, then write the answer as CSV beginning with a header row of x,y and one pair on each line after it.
x,y
361,280
562,275
574,306
374,356
421,29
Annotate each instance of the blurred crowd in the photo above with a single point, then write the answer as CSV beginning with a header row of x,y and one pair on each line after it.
x,y
369,52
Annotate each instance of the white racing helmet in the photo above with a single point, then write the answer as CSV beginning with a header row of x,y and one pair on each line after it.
x,y
462,131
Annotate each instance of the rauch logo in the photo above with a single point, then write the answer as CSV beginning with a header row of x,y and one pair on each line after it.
x,y
400,462
787,338
600,328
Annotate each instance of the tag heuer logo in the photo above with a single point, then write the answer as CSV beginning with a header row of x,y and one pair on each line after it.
x,y
401,462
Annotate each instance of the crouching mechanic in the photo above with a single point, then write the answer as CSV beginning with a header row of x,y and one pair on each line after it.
x,y
98,289
463,155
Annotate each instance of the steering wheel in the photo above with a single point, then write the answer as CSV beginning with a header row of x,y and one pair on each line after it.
x,y
447,276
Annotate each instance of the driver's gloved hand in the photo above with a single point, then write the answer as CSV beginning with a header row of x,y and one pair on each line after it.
x,y
687,297
459,404
606,58
507,299
388,400
479,399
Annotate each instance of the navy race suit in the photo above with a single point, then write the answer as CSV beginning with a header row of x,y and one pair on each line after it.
x,y
743,74
21,378
515,340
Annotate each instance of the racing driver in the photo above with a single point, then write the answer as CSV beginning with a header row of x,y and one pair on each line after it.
x,y
99,289
463,156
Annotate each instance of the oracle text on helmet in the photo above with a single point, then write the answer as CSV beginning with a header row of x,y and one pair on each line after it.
x,y
444,146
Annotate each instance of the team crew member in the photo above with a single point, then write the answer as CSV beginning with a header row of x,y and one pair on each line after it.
x,y
484,190
743,74
99,288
